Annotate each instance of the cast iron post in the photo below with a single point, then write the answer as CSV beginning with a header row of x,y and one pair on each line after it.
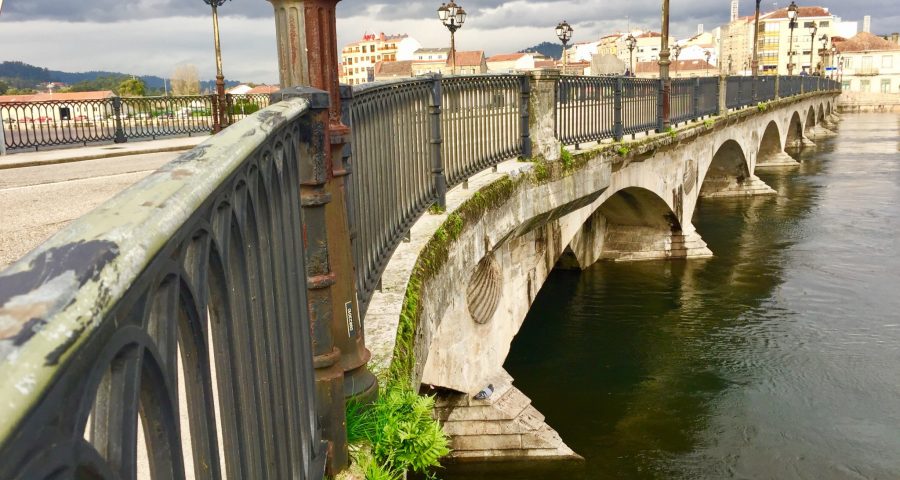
x,y
437,162
307,55
525,133
618,126
664,67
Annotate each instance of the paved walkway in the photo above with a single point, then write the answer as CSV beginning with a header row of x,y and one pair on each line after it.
x,y
66,155
41,192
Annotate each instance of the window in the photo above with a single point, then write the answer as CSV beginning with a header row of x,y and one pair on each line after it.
x,y
809,24
885,85
845,85
866,63
864,86
823,23
887,61
847,62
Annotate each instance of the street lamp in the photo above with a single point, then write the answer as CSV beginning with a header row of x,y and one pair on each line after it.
x,y
630,43
219,118
729,64
564,32
708,55
677,51
823,53
812,46
792,24
833,57
754,64
452,16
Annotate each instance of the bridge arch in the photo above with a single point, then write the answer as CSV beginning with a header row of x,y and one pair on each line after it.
x,y
820,114
794,131
810,122
771,139
728,170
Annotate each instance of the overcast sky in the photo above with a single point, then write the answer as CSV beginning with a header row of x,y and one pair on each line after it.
x,y
152,36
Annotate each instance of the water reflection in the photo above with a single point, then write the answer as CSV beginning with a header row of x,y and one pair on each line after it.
x,y
774,359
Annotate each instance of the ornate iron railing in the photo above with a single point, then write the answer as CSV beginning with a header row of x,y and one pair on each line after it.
x,y
641,105
178,309
116,119
585,108
681,100
765,88
707,96
479,123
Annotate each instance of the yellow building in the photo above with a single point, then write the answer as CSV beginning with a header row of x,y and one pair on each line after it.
x,y
775,39
358,59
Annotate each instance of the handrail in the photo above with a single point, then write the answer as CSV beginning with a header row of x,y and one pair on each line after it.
x,y
198,270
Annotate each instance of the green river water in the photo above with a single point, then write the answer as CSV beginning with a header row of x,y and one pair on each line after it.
x,y
778,358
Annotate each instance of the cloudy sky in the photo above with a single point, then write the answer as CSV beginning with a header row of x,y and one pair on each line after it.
x,y
152,36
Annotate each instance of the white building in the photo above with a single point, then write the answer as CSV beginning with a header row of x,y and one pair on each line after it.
x,y
869,64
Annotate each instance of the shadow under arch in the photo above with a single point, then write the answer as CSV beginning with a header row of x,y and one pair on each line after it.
x,y
727,171
810,123
794,132
633,223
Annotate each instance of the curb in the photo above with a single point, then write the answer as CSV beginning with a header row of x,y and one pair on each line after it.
x,y
92,156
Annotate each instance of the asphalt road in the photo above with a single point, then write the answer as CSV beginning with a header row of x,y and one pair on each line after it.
x,y
36,202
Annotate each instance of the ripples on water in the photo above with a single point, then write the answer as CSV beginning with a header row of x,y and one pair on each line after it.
x,y
777,358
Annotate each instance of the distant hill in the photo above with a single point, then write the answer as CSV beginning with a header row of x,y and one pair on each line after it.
x,y
552,50
23,75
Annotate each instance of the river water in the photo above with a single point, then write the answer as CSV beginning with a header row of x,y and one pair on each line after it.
x,y
778,358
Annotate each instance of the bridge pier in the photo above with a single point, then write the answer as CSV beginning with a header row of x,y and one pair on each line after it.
x,y
778,158
598,239
725,187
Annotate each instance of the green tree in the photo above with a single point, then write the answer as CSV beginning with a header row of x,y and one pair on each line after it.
x,y
133,87
3,87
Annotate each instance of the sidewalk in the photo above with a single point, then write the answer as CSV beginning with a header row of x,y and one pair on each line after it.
x,y
66,155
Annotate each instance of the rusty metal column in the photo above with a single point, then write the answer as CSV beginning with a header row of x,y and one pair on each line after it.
x,y
307,53
320,276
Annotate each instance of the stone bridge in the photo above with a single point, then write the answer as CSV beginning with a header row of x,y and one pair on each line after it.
x,y
215,317
625,201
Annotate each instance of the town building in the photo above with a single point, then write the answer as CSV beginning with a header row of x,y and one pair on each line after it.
x,y
812,23
679,69
869,64
358,59
510,62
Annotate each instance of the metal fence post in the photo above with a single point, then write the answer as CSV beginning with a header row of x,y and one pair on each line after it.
x,y
723,91
618,125
525,133
695,100
437,162
659,106
2,134
754,89
777,87
117,116
802,85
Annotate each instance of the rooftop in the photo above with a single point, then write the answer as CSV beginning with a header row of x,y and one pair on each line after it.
x,y
865,42
468,59
402,68
506,57
802,12
43,97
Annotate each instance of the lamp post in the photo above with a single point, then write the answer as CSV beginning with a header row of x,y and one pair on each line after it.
x,y
792,24
630,42
219,117
677,51
2,125
833,57
729,65
823,54
452,16
812,46
754,63
664,66
708,56
564,32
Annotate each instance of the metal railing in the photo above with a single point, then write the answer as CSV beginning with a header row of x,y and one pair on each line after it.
x,y
479,123
789,86
186,291
414,138
765,89
641,105
411,140
32,125
585,108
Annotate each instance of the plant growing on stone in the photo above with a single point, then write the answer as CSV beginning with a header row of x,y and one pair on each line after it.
x,y
436,209
623,150
565,157
762,106
671,132
708,123
400,431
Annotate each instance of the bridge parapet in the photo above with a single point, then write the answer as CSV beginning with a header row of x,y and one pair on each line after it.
x,y
173,319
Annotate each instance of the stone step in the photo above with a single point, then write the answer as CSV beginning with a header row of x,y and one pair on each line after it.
x,y
780,159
